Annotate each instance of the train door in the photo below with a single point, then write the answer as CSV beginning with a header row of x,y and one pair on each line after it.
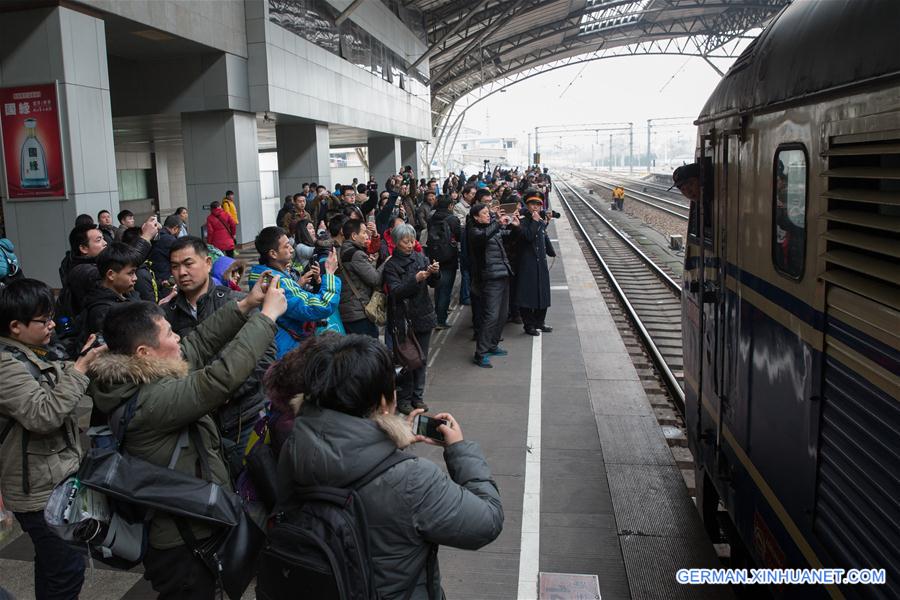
x,y
705,316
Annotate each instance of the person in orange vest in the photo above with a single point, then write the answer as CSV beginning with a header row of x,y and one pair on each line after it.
x,y
229,206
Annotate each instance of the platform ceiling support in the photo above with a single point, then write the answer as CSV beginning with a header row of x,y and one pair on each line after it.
x,y
220,153
58,44
456,29
384,157
347,12
302,156
409,155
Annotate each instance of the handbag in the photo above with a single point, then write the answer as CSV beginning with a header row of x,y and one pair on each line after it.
x,y
376,309
407,351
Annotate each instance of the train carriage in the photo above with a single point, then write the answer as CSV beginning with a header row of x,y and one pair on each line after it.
x,y
791,295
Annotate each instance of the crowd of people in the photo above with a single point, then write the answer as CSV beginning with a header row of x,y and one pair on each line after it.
x,y
315,349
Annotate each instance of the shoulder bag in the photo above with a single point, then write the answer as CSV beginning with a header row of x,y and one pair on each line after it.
x,y
376,309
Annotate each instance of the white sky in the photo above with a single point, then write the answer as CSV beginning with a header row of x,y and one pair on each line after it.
x,y
632,88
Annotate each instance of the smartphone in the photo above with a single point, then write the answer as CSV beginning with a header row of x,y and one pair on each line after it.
x,y
370,219
265,280
428,426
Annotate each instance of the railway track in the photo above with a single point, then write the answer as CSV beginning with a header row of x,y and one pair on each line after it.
x,y
650,298
677,209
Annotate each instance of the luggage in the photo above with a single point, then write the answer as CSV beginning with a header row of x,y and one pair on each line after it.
x,y
319,544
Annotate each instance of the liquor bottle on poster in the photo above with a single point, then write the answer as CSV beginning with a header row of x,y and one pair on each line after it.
x,y
34,163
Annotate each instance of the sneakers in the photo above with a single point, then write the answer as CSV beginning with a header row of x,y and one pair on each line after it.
x,y
419,404
482,361
545,328
498,351
532,331
404,407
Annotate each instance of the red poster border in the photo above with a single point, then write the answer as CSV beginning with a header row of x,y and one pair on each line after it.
x,y
65,174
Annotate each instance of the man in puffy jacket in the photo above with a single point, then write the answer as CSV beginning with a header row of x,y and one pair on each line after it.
x,y
359,278
305,307
220,229
39,439
490,278
199,298
177,384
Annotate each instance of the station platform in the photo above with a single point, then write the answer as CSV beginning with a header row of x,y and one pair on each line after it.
x,y
588,482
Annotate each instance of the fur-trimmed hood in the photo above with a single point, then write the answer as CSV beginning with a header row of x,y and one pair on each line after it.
x,y
116,377
333,448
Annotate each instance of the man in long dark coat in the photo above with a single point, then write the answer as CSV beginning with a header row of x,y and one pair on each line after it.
x,y
533,275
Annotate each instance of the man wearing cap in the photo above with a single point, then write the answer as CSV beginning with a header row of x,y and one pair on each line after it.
x,y
687,179
533,275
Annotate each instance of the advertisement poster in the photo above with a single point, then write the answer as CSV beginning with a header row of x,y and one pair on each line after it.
x,y
32,145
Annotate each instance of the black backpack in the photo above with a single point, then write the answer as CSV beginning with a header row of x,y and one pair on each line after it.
x,y
319,547
440,241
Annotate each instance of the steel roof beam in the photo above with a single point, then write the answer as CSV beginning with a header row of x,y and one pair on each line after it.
x,y
456,28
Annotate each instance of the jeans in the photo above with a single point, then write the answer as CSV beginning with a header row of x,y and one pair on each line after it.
x,y
493,308
465,285
362,327
58,569
411,384
176,574
442,294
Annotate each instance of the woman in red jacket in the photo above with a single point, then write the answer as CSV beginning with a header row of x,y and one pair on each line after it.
x,y
220,229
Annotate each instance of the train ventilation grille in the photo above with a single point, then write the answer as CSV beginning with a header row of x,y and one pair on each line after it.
x,y
863,220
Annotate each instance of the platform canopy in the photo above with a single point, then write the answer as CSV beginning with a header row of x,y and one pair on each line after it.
x,y
476,44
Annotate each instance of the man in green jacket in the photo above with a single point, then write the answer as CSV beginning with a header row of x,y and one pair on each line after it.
x,y
178,384
39,438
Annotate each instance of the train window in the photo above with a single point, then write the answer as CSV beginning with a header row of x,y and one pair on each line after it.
x,y
789,184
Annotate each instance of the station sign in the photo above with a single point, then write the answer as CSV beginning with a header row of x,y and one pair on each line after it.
x,y
32,142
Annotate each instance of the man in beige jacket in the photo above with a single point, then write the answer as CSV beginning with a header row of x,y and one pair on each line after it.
x,y
39,437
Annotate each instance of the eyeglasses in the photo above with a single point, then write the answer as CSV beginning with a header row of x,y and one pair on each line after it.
x,y
43,322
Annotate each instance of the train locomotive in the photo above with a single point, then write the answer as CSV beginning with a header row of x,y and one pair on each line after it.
x,y
791,296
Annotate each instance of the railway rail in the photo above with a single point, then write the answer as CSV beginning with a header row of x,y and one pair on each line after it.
x,y
649,296
677,209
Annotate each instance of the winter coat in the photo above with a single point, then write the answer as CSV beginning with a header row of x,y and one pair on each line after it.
x,y
487,253
146,285
97,303
532,274
221,229
221,264
47,410
159,255
173,394
407,298
410,507
303,306
248,399
461,210
109,233
230,207
358,269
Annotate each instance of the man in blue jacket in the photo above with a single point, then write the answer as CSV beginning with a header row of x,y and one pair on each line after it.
x,y
276,254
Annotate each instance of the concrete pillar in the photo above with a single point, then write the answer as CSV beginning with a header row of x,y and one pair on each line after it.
x,y
302,150
220,154
384,158
40,46
409,155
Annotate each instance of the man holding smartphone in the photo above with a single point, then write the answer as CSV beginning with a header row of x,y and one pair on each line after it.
x,y
276,254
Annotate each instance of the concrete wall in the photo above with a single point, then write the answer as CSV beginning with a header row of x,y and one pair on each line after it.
x,y
216,23
292,76
186,84
59,44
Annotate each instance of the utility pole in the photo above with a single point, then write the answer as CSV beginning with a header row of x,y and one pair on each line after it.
x,y
610,153
631,147
648,145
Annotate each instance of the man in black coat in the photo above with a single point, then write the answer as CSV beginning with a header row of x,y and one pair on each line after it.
x,y
532,273
197,299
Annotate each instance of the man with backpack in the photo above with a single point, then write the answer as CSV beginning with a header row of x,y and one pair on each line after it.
x,y
444,233
175,384
39,439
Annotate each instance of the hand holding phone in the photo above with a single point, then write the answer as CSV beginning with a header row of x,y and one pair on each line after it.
x,y
428,427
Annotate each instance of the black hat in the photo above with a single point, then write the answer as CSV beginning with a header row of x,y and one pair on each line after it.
x,y
685,172
533,194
